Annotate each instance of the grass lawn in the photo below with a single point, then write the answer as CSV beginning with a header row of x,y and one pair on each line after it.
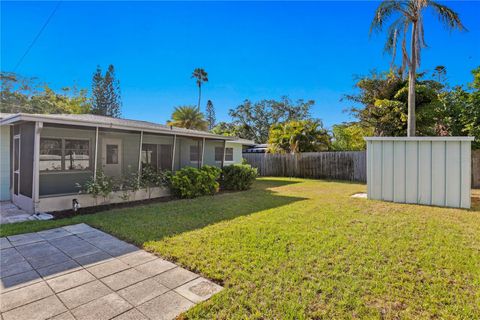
x,y
294,248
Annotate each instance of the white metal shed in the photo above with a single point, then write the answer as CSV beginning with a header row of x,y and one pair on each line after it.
x,y
424,170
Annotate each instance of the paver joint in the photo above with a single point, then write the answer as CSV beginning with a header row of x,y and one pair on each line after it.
x,y
78,272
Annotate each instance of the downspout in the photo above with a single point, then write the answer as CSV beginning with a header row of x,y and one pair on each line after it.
x,y
140,157
173,151
203,149
95,156
223,156
198,154
36,168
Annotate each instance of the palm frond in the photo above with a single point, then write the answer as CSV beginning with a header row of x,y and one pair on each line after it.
x,y
405,60
383,13
447,16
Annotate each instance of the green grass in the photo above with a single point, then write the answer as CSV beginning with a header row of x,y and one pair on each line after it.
x,y
295,248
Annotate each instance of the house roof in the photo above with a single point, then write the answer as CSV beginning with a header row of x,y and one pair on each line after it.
x,y
91,120
244,142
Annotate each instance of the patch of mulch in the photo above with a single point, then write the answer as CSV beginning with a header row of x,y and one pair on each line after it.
x,y
104,207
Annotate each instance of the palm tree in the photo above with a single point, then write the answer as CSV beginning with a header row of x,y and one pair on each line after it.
x,y
409,15
188,117
201,77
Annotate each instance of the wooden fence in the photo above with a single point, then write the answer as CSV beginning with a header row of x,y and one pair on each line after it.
x,y
476,168
348,165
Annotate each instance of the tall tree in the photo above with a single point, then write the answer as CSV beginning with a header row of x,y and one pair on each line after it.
x,y
188,117
298,136
255,119
201,76
210,111
409,15
28,95
350,136
99,103
112,93
106,99
384,100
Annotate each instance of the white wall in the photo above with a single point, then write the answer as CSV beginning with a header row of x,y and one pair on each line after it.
x,y
423,170
4,163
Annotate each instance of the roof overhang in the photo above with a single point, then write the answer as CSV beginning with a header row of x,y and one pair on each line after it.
x,y
20,117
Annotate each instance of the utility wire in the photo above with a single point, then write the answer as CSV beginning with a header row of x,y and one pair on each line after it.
x,y
37,36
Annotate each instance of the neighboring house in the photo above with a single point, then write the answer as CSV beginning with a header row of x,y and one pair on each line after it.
x,y
52,154
257,148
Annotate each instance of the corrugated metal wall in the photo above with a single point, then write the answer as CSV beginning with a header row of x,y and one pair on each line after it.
x,y
431,171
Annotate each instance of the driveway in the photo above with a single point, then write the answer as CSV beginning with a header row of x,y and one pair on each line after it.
x,y
78,272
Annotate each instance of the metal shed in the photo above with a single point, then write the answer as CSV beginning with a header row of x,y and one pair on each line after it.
x,y
422,170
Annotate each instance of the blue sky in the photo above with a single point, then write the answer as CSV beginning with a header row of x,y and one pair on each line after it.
x,y
254,50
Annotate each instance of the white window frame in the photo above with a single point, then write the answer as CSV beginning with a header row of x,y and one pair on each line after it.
x,y
225,154
63,170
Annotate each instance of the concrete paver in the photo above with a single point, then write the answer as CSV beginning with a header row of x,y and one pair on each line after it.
x,y
175,277
78,272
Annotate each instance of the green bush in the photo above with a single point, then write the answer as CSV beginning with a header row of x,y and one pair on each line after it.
x,y
151,178
238,177
191,182
101,185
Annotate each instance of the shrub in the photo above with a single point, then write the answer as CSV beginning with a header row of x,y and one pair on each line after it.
x,y
191,182
129,184
238,177
151,178
101,185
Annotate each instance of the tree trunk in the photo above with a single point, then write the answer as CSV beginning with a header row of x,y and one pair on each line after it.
x,y
199,95
411,84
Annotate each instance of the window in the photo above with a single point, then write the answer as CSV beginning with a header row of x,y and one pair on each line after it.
x,y
50,155
165,151
112,154
77,155
228,154
64,154
218,153
194,153
149,155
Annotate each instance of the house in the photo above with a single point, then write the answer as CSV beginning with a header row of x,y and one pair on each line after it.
x,y
52,154
4,160
256,148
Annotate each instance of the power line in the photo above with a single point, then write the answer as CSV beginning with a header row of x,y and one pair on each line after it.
x,y
37,36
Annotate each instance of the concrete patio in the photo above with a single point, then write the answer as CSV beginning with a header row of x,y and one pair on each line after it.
x,y
10,213
78,272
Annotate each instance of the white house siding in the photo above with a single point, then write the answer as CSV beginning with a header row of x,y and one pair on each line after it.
x,y
4,163
423,170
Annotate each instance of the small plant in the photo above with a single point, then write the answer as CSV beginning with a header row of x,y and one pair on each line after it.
x,y
101,185
130,184
238,176
151,178
191,182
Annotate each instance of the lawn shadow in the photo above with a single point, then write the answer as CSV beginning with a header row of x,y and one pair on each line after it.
x,y
154,222
30,256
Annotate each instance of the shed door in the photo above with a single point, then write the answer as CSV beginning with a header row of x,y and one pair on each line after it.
x,y
112,157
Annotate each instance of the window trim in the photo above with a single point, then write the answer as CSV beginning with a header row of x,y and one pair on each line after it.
x,y
190,154
156,155
225,154
215,154
63,170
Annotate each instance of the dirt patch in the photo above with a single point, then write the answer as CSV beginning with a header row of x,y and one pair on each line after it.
x,y
105,207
